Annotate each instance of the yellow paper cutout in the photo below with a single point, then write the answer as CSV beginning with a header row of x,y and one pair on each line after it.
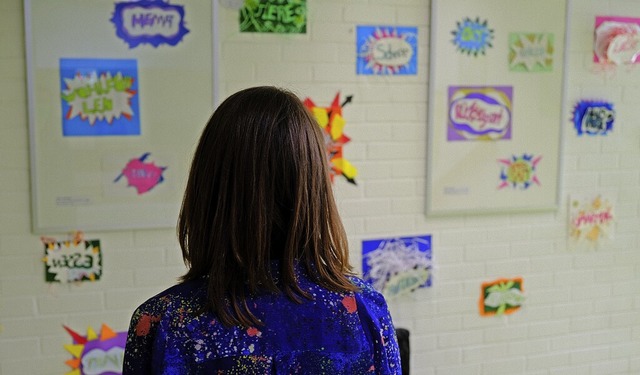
x,y
91,334
321,115
75,350
347,168
337,125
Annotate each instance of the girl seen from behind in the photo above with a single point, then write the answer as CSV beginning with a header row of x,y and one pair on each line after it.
x,y
268,289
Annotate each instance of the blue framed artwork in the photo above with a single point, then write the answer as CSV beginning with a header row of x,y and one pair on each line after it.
x,y
396,266
99,97
386,50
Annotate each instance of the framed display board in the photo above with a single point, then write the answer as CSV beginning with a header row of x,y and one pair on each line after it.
x,y
119,92
495,105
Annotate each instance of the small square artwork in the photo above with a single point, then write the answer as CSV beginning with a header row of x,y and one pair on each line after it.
x,y
397,266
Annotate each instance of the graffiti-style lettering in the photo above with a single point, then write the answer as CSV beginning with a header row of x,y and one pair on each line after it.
x,y
482,113
150,22
274,16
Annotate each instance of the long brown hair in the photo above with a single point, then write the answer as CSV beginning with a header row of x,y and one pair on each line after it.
x,y
259,190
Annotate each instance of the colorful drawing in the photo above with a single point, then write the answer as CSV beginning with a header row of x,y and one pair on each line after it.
x,y
152,22
96,354
531,52
519,171
479,113
397,266
502,296
99,97
590,219
593,117
472,36
274,16
617,40
72,260
143,176
332,123
387,50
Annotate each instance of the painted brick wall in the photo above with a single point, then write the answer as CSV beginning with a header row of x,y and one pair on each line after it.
x,y
581,312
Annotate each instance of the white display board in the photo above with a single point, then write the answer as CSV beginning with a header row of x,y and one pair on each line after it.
x,y
495,105
119,93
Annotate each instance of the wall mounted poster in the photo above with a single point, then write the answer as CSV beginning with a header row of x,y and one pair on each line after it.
x,y
274,16
397,266
96,353
99,97
72,260
617,40
495,106
386,50
591,219
114,114
502,296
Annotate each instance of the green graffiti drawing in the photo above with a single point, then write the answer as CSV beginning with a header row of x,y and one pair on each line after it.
x,y
274,16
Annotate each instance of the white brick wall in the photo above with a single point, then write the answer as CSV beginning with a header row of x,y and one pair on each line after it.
x,y
581,315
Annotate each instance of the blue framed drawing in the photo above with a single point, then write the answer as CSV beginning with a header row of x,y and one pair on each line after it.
x,y
99,97
387,50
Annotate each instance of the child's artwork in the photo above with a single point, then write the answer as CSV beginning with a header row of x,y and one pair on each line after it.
x,y
274,16
142,176
397,266
96,353
387,50
531,52
494,106
479,113
472,37
590,219
617,40
72,260
519,172
593,117
332,123
502,296
99,97
152,22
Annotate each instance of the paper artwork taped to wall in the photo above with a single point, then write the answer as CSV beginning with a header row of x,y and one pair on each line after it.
x,y
154,22
72,260
397,266
274,16
531,52
472,37
96,353
386,50
519,171
480,113
99,97
593,117
332,123
141,175
502,296
617,40
591,219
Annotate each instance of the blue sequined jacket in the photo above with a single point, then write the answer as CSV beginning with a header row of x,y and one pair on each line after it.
x,y
333,334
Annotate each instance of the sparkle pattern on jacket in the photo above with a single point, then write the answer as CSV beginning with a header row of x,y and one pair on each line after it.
x,y
333,334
